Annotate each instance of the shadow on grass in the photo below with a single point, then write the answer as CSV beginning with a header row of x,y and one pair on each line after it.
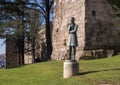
x,y
89,72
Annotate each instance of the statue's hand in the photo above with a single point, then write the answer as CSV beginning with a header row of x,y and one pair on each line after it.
x,y
71,32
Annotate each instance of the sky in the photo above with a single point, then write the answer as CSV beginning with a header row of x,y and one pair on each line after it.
x,y
2,46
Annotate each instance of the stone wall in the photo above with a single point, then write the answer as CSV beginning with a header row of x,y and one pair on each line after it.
x,y
28,58
96,26
100,27
42,51
39,47
12,58
63,11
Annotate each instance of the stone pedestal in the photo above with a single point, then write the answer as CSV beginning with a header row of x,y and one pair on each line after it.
x,y
70,68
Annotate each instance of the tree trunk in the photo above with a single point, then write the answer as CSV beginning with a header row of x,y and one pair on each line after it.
x,y
33,49
48,31
23,35
22,49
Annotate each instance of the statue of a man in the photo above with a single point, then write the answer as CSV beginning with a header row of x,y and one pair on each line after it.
x,y
72,39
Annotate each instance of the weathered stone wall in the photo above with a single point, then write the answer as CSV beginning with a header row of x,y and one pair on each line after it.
x,y
100,28
42,51
28,58
63,11
12,59
96,26
39,47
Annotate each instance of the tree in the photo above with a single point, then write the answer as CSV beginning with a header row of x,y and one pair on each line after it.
x,y
19,8
48,7
34,21
116,6
45,7
15,19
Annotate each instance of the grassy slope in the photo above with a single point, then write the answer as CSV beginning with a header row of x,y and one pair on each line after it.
x,y
92,72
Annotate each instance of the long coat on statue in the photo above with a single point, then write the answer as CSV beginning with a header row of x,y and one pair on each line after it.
x,y
72,39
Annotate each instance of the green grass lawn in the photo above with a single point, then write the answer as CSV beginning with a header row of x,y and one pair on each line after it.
x,y
92,72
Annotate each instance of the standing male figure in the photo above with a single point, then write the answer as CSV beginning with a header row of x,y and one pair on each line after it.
x,y
72,39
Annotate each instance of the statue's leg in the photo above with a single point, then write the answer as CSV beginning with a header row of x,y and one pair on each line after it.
x,y
70,50
74,52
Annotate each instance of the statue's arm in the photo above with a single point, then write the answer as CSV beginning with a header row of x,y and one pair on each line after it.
x,y
69,29
72,31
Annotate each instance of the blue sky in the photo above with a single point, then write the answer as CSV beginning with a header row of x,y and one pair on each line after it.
x,y
2,46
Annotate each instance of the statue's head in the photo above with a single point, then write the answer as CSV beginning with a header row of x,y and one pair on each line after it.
x,y
72,20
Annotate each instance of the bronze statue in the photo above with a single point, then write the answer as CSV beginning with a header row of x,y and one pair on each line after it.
x,y
72,40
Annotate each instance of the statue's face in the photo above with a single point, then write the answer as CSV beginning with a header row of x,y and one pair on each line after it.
x,y
72,20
